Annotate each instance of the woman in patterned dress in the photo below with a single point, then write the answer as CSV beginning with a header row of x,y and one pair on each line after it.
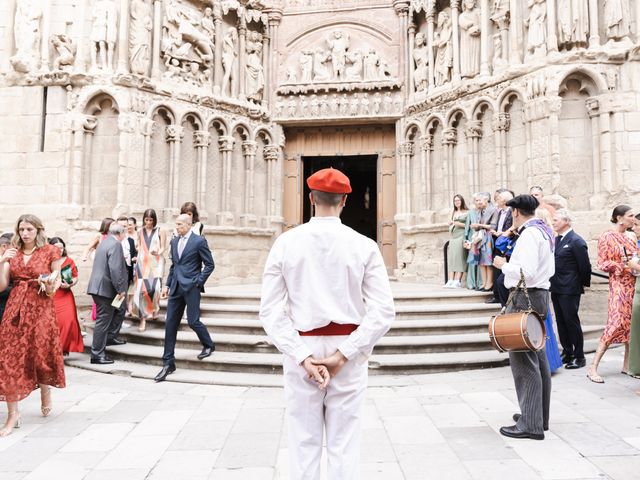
x,y
634,340
30,352
149,270
615,249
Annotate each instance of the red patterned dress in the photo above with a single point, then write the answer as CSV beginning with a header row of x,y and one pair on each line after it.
x,y
66,313
611,252
30,351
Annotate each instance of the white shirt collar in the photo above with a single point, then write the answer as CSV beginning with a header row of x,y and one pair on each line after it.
x,y
187,235
564,234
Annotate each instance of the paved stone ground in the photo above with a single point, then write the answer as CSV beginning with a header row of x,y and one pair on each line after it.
x,y
439,426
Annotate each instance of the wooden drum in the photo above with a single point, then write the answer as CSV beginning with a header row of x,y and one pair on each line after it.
x,y
517,332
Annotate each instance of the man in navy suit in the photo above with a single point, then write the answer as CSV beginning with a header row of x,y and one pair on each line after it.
x,y
573,273
191,266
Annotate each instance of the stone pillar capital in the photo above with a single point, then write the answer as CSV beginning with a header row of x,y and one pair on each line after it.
x,y
274,16
426,143
270,153
473,129
407,148
225,143
401,6
201,138
174,133
455,4
147,127
249,148
502,122
450,136
593,107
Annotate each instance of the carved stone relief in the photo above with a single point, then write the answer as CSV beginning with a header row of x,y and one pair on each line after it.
x,y
444,48
229,54
421,60
537,28
27,35
140,28
469,22
104,33
64,49
363,104
254,71
616,19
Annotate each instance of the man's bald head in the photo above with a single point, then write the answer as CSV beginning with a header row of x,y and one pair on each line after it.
x,y
183,217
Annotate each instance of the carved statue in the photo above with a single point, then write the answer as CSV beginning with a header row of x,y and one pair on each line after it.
x,y
304,111
335,104
208,25
229,54
140,36
173,68
292,75
280,104
324,106
383,69
498,61
306,65
354,70
104,32
292,108
338,45
469,22
500,8
27,35
65,49
355,105
320,72
187,38
254,71
537,24
421,60
371,61
315,107
444,49
616,19
388,103
343,104
573,23
377,101
364,102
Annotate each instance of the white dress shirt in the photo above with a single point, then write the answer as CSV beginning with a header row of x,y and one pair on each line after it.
x,y
533,255
182,242
322,272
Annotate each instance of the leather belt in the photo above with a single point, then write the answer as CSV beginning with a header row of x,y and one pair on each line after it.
x,y
331,329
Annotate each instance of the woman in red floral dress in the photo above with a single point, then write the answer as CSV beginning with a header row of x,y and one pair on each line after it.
x,y
615,249
30,352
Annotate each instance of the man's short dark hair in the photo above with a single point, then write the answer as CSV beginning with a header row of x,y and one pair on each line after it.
x,y
526,204
327,199
5,238
122,218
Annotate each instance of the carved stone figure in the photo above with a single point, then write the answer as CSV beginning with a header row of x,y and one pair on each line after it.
x,y
185,37
444,49
320,72
500,8
383,69
377,101
537,24
27,35
421,60
104,32
338,45
229,54
306,65
388,103
371,62
65,49
141,25
314,106
292,75
354,105
208,25
324,106
343,104
280,104
304,111
364,105
573,23
354,70
498,60
616,19
292,108
254,70
469,22
335,104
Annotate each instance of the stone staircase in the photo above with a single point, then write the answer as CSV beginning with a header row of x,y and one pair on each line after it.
x,y
436,330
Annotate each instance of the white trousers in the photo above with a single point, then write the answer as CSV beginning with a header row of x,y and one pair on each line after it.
x,y
338,409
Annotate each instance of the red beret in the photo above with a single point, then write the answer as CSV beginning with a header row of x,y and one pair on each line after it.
x,y
329,180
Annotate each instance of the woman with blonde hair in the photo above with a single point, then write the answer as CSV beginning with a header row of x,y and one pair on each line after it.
x,y
30,351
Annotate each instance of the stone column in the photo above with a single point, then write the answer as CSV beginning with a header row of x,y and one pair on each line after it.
x,y
242,55
249,149
606,155
455,12
265,68
402,10
46,33
174,135
412,40
225,143
274,16
81,126
201,142
426,145
270,156
8,46
431,14
552,28
485,33
217,68
123,38
516,45
594,31
404,176
79,28
593,110
449,141
619,163
473,133
501,125
89,124
148,127
157,33
502,24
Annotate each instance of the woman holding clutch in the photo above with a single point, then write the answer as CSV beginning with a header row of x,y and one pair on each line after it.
x,y
30,352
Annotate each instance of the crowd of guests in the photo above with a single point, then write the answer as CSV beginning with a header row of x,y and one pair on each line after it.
x,y
480,234
38,315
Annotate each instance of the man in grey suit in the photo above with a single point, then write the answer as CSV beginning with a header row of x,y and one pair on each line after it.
x,y
108,281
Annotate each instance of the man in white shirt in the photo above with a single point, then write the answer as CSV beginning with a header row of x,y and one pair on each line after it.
x,y
326,301
533,256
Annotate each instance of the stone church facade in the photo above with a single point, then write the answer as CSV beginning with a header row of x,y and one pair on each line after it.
x,y
109,107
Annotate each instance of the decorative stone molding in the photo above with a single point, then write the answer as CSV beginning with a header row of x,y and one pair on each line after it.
x,y
502,122
270,153
450,136
249,148
426,143
201,139
174,133
593,107
89,123
407,148
225,143
473,129
147,127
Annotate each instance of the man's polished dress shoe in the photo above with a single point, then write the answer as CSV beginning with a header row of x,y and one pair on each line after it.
x,y
166,370
116,342
102,361
576,363
566,358
493,300
516,417
206,352
514,432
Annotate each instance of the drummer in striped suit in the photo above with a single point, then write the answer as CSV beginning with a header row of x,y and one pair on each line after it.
x,y
533,256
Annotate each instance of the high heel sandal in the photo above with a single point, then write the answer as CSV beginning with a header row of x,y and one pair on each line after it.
x,y
6,430
45,402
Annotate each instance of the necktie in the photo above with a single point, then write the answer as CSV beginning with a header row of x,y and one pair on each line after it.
x,y
558,240
181,243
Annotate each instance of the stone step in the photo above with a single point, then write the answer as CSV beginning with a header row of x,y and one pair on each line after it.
x,y
229,342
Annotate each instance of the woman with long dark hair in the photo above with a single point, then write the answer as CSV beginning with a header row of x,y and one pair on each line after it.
x,y
189,208
456,253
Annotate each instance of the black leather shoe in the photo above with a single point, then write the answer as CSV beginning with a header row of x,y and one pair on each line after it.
x,y
166,370
206,352
566,358
102,361
116,342
514,432
516,417
493,300
576,363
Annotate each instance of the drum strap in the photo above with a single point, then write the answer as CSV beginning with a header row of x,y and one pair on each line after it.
x,y
521,283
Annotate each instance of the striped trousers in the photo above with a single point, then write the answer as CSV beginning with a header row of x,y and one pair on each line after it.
x,y
531,370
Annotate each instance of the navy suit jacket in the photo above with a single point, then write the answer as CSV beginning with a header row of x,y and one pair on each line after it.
x,y
573,268
193,268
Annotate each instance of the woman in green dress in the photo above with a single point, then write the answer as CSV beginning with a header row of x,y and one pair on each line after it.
x,y
456,253
634,338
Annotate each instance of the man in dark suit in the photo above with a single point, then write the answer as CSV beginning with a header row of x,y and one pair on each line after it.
x,y
573,273
108,281
191,266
